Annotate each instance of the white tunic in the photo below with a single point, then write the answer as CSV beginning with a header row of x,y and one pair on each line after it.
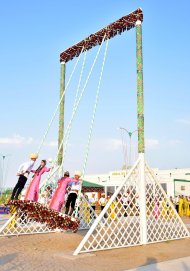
x,y
92,201
75,186
102,201
26,167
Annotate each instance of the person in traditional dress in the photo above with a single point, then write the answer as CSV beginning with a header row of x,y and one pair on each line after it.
x,y
102,201
188,207
112,210
92,201
23,172
58,198
32,192
185,206
181,210
176,201
86,209
156,210
73,193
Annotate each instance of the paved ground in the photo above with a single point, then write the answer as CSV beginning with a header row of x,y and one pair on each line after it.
x,y
53,252
3,219
182,264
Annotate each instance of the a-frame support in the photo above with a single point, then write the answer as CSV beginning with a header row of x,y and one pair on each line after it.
x,y
123,223
139,211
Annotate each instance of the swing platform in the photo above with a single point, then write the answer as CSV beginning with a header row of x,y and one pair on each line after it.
x,y
42,214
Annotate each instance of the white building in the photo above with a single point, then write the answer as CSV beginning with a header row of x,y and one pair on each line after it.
x,y
174,181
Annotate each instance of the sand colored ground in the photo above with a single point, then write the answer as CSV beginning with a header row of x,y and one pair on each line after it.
x,y
54,252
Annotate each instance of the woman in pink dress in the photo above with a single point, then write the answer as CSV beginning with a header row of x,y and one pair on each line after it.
x,y
156,210
58,198
32,192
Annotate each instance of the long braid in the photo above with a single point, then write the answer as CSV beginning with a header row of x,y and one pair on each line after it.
x,y
40,168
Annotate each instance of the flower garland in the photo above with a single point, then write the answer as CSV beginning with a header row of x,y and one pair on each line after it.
x,y
40,213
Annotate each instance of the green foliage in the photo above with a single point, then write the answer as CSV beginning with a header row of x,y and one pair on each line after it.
x,y
5,196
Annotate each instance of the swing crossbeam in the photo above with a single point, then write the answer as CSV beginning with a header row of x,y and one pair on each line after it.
x,y
125,23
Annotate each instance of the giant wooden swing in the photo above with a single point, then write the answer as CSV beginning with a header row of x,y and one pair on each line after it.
x,y
154,219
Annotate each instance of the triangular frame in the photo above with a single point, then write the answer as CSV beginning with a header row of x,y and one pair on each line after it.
x,y
142,225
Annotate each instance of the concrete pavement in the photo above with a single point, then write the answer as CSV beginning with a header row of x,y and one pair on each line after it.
x,y
3,219
181,264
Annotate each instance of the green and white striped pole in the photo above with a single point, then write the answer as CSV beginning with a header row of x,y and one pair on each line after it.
x,y
140,92
61,113
141,145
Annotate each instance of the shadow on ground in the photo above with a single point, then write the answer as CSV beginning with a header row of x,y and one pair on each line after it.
x,y
6,260
149,261
185,267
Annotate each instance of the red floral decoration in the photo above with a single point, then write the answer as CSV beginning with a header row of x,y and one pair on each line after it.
x,y
40,213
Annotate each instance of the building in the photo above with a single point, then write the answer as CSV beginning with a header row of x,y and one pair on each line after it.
x,y
174,181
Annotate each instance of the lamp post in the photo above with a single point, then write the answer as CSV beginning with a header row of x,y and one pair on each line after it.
x,y
130,136
3,166
3,172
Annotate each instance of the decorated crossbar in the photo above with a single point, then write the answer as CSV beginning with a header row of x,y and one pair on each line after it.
x,y
42,214
125,23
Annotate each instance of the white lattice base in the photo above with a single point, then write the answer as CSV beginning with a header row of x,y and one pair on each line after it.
x,y
138,213
85,213
23,225
19,225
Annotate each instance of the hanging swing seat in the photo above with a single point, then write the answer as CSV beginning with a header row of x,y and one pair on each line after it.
x,y
42,214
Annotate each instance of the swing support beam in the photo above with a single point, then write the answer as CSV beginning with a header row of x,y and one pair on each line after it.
x,y
123,24
116,28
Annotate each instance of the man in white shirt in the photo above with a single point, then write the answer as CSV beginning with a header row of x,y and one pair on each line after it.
x,y
102,201
23,173
92,201
73,193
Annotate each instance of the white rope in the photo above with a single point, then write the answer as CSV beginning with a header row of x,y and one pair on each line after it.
x,y
73,115
81,94
94,110
53,170
58,105
92,122
74,105
80,79
75,100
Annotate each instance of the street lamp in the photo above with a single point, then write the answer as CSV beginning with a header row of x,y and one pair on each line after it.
x,y
130,136
3,172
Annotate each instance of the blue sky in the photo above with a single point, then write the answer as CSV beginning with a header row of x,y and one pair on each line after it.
x,y
32,36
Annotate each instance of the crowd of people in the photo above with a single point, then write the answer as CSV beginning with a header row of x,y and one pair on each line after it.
x,y
182,204
124,204
65,195
128,204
